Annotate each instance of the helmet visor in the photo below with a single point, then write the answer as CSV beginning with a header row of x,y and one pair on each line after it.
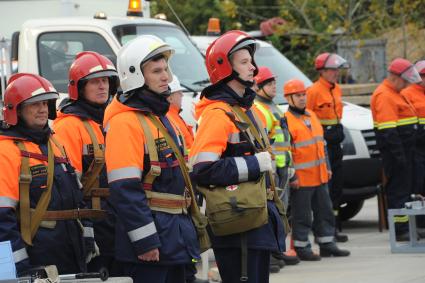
x,y
42,97
101,74
250,43
165,49
411,75
420,67
335,61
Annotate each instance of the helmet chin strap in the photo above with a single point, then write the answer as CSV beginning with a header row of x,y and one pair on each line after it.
x,y
266,94
235,76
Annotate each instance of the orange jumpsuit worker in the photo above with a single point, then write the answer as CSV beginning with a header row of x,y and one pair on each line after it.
x,y
415,93
396,123
324,98
310,191
155,235
37,178
92,80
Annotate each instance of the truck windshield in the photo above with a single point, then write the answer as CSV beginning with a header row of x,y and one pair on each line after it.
x,y
187,62
283,68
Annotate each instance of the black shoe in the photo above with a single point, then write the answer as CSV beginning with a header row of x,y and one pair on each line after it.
x,y
405,237
340,238
197,280
276,261
331,249
274,268
307,255
289,260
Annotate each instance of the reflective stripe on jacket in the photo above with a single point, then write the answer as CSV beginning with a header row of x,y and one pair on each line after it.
x,y
308,148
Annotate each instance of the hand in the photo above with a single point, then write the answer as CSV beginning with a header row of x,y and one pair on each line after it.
x,y
294,184
329,174
264,161
152,255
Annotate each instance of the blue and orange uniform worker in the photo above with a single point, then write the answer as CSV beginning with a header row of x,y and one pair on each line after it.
x,y
395,124
40,199
415,93
92,80
309,192
222,156
324,99
155,236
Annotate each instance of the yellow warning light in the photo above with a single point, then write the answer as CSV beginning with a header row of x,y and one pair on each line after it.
x,y
135,8
213,26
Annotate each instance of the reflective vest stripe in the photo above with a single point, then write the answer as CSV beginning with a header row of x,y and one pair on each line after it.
x,y
407,121
421,120
308,142
124,173
142,232
242,169
301,244
310,164
326,239
328,122
385,125
204,157
20,255
8,202
234,138
401,219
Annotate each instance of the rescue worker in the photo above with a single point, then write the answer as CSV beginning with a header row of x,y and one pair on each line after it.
x,y
155,236
41,207
309,192
324,99
92,80
271,115
415,93
222,155
395,124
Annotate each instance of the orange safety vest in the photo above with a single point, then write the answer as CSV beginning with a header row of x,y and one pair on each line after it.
x,y
416,95
308,148
325,99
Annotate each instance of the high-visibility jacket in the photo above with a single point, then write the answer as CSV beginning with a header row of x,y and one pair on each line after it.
x,y
416,95
280,138
395,119
308,148
139,228
80,151
325,99
222,156
185,129
58,242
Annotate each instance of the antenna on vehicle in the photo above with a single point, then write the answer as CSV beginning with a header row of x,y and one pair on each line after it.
x,y
177,17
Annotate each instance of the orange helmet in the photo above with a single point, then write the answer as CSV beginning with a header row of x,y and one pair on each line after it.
x,y
217,55
330,61
89,65
404,69
264,75
27,88
293,86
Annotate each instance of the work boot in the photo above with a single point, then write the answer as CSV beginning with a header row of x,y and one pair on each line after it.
x,y
331,249
288,259
197,280
340,238
307,254
276,261
405,237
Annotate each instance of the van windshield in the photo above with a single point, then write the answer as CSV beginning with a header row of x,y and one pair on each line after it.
x,y
187,62
280,66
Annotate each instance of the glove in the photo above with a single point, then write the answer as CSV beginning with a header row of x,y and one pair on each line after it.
x,y
264,161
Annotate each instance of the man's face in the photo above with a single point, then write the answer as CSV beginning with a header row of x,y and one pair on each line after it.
x,y
97,90
298,100
331,75
270,88
156,75
35,115
241,62
176,99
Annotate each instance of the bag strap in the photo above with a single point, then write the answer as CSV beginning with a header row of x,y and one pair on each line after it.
x,y
31,222
90,177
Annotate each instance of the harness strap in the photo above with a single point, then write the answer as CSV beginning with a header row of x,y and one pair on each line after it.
x,y
72,214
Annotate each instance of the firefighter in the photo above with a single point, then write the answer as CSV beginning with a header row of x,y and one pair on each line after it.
x,y
224,155
40,199
324,99
155,236
415,93
271,116
92,80
309,192
395,124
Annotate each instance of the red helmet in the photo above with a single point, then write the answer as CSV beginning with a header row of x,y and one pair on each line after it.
x,y
406,70
217,55
89,65
330,61
293,86
264,74
27,88
420,67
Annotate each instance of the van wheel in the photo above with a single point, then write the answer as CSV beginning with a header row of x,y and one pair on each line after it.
x,y
350,209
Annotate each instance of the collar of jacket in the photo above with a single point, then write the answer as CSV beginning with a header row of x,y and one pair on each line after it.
x,y
223,92
264,100
389,85
146,100
326,84
298,112
22,132
419,87
85,110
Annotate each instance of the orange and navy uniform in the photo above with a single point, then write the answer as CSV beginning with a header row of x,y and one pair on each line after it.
x,y
185,129
139,228
308,148
221,156
415,93
61,244
69,127
325,99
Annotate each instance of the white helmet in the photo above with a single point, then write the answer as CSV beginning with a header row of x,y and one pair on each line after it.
x,y
135,53
175,85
